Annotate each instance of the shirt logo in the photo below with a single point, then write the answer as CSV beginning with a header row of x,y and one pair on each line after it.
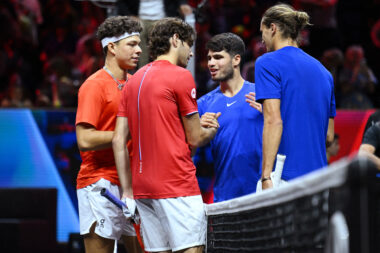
x,y
193,93
229,104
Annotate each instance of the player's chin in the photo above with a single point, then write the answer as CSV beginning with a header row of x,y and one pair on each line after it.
x,y
183,64
217,78
132,64
134,61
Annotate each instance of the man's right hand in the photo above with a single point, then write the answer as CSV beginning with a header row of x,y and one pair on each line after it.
x,y
267,184
210,119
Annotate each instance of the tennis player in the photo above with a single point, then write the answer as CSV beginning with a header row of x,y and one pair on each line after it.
x,y
159,111
101,222
236,148
297,94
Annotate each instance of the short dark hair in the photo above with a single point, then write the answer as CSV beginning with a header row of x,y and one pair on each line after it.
x,y
290,21
163,30
229,42
116,26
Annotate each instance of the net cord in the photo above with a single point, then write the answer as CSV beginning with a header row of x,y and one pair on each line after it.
x,y
328,177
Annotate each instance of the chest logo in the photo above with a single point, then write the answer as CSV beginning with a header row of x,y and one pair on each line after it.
x,y
229,104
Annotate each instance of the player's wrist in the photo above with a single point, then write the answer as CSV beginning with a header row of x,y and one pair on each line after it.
x,y
263,179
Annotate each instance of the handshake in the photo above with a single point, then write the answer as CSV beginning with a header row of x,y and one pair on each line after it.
x,y
210,119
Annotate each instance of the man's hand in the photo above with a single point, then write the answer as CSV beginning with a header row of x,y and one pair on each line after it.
x,y
210,119
267,184
251,100
131,207
185,9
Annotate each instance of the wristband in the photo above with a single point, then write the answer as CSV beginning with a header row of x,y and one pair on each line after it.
x,y
265,179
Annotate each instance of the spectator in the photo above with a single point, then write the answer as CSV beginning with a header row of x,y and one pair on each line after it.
x,y
357,81
371,144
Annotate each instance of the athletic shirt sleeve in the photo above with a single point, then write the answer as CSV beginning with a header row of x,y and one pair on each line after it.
x,y
123,103
268,82
372,136
201,106
185,94
90,101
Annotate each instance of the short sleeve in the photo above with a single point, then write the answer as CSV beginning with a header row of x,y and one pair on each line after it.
x,y
201,106
268,84
185,93
90,101
372,136
123,103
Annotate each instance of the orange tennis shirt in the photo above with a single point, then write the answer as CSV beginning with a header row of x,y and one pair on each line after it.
x,y
156,98
98,103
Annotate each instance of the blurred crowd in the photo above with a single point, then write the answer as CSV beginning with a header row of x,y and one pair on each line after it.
x,y
49,46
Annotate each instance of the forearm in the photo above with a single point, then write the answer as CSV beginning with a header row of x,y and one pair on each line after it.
x,y
206,135
368,150
91,139
272,133
122,162
196,134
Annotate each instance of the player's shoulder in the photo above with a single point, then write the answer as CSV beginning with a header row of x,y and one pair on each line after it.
x,y
267,59
249,85
181,72
95,80
210,95
377,126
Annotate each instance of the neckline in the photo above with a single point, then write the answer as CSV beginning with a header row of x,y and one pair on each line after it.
x,y
235,94
119,84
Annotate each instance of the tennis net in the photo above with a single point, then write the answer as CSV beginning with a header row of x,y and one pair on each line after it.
x,y
319,212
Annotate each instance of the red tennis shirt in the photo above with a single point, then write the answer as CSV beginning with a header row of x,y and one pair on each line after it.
x,y
156,98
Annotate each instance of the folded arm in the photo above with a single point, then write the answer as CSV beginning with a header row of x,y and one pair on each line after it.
x,y
89,138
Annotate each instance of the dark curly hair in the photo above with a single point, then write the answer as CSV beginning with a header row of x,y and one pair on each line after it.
x,y
163,30
229,42
116,26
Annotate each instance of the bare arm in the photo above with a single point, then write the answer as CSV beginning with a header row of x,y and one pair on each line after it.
x,y
89,138
197,135
368,150
121,154
330,132
272,133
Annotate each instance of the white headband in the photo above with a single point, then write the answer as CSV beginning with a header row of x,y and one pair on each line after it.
x,y
107,40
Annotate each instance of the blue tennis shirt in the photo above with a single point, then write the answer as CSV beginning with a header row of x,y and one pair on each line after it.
x,y
306,91
236,149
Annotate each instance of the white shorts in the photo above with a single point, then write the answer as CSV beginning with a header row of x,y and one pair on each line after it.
x,y
172,223
110,221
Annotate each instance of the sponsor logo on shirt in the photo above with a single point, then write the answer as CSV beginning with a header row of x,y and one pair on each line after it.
x,y
229,104
193,93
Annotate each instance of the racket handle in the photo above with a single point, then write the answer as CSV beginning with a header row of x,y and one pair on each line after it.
x,y
278,169
106,193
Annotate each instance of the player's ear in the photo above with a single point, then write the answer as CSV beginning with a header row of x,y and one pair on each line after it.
x,y
236,60
111,48
174,40
273,28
